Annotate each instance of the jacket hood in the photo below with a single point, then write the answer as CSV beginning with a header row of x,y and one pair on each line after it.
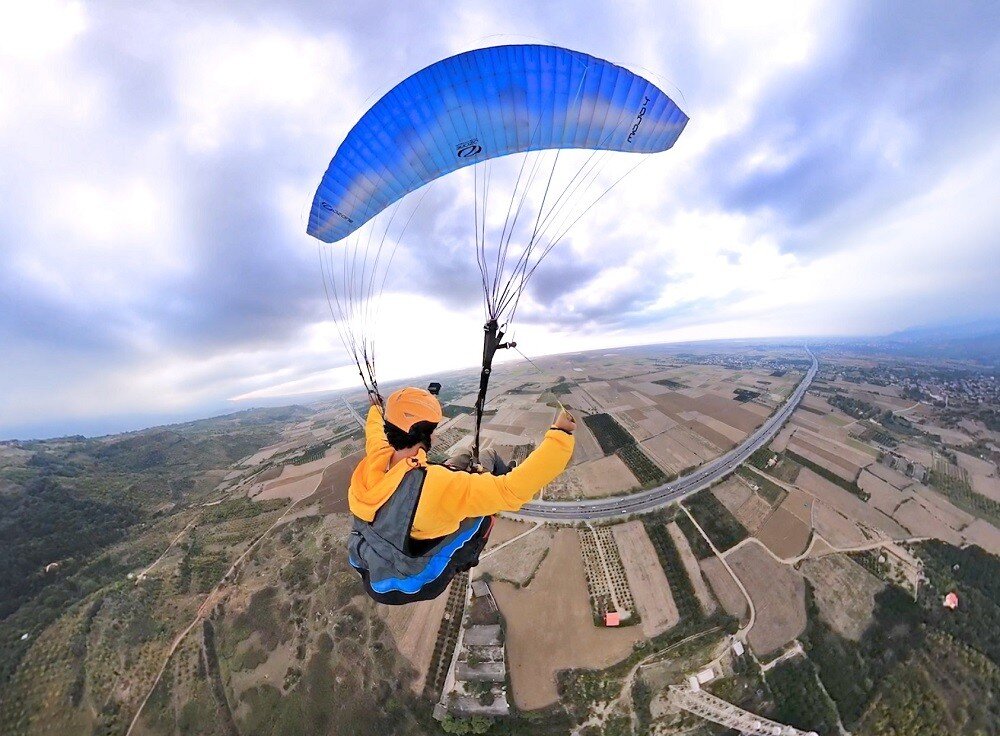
x,y
373,482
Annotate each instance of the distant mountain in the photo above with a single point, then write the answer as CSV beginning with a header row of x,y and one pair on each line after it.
x,y
977,341
955,331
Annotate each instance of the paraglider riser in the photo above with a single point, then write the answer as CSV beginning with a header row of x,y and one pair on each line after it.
x,y
491,343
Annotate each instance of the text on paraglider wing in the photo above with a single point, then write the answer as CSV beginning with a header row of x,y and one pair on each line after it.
x,y
468,148
329,208
638,119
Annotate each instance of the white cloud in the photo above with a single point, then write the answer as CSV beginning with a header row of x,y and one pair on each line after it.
x,y
113,115
34,30
232,77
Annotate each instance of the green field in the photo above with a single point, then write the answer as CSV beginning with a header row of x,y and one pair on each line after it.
x,y
959,491
610,435
645,470
847,485
673,566
719,524
695,540
615,439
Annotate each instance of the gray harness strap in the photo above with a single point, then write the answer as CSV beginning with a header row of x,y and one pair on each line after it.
x,y
387,537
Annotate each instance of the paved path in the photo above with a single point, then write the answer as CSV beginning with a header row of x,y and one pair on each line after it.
x,y
703,477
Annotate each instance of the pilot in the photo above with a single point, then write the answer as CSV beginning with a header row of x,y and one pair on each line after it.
x,y
417,523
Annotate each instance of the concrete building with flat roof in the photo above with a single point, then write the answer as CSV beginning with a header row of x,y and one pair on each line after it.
x,y
482,672
482,635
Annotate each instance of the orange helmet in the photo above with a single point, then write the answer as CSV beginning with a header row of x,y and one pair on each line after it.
x,y
406,407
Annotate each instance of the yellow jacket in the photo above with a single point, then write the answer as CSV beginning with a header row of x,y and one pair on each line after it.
x,y
450,496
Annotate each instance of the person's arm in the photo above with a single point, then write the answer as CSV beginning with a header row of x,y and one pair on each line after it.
x,y
375,432
460,495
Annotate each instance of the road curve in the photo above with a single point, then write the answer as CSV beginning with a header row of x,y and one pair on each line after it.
x,y
636,503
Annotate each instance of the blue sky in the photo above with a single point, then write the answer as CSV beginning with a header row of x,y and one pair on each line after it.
x,y
838,177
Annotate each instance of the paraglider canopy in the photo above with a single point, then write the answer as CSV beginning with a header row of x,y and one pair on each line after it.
x,y
483,104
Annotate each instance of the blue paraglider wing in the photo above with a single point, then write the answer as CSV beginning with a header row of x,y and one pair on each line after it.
x,y
483,104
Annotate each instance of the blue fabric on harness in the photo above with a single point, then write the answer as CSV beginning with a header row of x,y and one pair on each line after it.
x,y
434,568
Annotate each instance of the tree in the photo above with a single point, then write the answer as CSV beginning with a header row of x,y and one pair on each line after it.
x,y
461,726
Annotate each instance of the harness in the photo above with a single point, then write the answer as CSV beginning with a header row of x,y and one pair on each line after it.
x,y
396,569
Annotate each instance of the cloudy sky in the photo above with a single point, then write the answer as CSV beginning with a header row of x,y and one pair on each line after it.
x,y
838,176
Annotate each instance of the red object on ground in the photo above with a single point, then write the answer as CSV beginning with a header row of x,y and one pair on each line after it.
x,y
951,601
612,619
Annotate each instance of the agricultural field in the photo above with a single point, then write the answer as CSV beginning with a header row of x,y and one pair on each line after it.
x,y
654,599
784,533
517,562
505,529
646,472
953,482
882,494
778,595
609,433
725,588
854,499
733,492
569,640
657,427
604,476
705,600
832,495
607,582
672,564
844,593
983,475
294,482
750,498
886,502
839,530
721,526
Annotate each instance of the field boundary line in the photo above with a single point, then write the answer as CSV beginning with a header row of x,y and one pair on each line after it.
x,y
753,611
792,561
509,541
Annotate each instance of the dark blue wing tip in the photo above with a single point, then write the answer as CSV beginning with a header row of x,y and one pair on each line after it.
x,y
319,229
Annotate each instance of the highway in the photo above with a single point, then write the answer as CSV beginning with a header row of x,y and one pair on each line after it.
x,y
703,477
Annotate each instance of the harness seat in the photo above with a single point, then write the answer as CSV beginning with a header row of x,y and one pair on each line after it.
x,y
395,569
